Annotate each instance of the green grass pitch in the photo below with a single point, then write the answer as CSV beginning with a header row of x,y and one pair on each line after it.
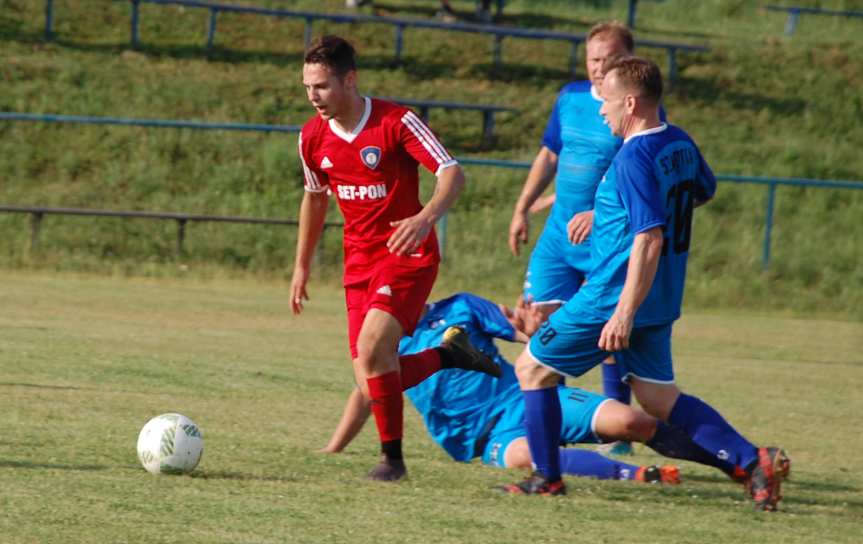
x,y
85,361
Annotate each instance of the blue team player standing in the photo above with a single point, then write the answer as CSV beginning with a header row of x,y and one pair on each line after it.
x,y
577,148
633,293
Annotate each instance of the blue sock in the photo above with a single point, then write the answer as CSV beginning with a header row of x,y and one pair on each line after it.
x,y
542,420
710,431
672,441
593,465
612,387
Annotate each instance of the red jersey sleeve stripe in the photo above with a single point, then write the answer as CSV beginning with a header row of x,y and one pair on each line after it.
x,y
424,135
432,139
312,184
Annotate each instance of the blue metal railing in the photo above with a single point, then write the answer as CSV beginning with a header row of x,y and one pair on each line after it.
x,y
498,32
772,183
794,13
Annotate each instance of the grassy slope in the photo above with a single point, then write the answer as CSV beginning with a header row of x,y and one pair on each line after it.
x,y
86,360
758,104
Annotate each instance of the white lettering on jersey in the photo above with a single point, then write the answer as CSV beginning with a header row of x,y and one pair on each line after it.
x,y
362,192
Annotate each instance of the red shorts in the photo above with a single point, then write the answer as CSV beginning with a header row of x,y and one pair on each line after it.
x,y
400,291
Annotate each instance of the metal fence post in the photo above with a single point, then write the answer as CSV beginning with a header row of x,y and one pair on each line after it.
x,y
35,229
573,57
181,235
497,50
672,65
307,32
630,19
134,23
49,20
399,42
791,24
211,30
488,127
768,224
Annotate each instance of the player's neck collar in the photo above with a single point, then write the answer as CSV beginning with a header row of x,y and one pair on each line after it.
x,y
350,136
594,92
653,130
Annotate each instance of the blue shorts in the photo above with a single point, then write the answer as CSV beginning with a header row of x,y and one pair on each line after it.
x,y
579,409
567,343
557,268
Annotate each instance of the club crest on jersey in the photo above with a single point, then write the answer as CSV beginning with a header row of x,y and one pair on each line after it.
x,y
371,156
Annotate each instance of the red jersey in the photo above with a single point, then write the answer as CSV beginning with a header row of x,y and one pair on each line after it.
x,y
372,171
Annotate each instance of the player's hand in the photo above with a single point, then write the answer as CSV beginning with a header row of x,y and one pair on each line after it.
x,y
410,233
518,231
298,289
578,228
542,203
615,333
513,316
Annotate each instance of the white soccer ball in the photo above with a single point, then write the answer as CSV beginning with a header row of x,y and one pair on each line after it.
x,y
170,444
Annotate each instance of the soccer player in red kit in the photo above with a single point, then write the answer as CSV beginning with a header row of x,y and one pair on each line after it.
x,y
366,153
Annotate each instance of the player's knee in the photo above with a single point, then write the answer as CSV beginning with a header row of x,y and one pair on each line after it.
x,y
532,375
639,426
517,454
656,399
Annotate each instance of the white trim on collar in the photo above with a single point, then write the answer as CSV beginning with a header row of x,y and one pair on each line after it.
x,y
595,93
351,136
653,130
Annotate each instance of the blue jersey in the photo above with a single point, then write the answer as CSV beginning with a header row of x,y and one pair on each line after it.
x,y
585,147
655,180
459,406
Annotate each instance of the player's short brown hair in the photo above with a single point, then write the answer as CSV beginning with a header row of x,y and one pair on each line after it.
x,y
639,74
334,52
614,30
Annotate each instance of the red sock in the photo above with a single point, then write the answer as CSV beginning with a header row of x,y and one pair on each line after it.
x,y
419,366
387,405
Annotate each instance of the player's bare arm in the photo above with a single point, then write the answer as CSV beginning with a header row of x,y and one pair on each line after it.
x,y
578,228
313,212
412,231
643,261
540,176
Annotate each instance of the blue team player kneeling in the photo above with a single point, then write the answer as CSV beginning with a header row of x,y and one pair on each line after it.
x,y
471,414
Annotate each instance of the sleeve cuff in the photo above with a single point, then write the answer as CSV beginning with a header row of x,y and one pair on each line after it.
x,y
445,165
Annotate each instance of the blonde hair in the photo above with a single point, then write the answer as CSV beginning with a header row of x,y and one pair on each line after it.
x,y
615,30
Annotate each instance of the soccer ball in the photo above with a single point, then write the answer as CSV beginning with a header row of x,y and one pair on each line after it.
x,y
170,444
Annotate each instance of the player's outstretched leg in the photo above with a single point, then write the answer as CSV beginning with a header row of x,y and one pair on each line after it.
x,y
764,468
765,479
456,351
654,474
590,464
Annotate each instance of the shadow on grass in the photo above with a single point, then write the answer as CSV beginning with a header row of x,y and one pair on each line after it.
x,y
40,386
674,33
528,20
523,73
229,475
713,92
795,481
417,69
9,463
